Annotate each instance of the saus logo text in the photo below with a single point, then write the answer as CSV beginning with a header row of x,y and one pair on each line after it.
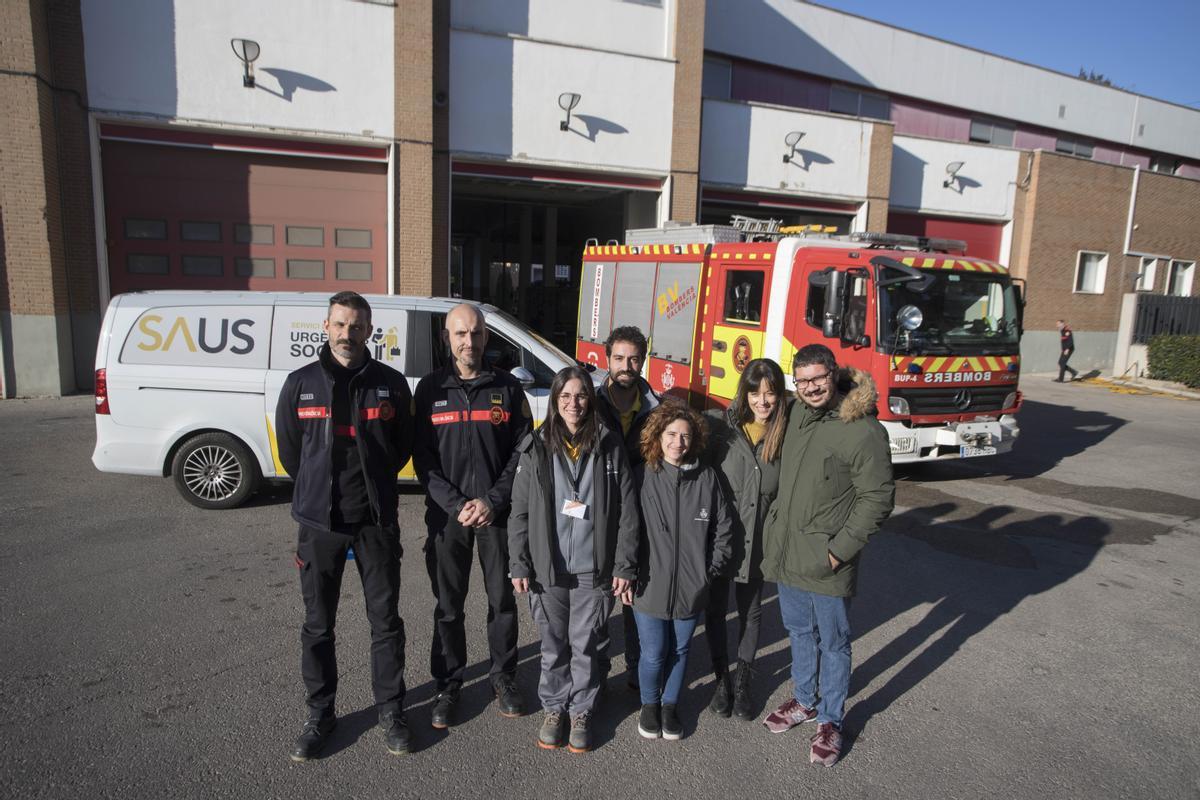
x,y
210,336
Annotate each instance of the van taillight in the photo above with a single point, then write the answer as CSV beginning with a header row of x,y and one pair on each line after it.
x,y
102,392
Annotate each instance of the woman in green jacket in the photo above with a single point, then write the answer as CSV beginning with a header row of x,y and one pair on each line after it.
x,y
747,440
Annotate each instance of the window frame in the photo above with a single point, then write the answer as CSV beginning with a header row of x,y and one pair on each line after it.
x,y
1189,267
1147,274
1101,278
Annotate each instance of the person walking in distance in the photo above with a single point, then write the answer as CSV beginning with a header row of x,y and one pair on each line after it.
x,y
745,445
572,497
684,542
835,491
625,402
469,420
344,429
1066,347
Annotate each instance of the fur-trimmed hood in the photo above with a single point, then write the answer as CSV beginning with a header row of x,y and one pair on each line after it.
x,y
856,394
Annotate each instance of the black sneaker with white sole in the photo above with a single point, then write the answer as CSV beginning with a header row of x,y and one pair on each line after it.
x,y
672,728
649,721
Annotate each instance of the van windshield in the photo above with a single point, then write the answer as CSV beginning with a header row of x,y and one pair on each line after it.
x,y
963,313
516,323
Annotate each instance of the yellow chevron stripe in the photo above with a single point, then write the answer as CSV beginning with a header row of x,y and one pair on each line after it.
x,y
969,266
936,366
976,364
992,363
920,361
908,261
929,262
956,365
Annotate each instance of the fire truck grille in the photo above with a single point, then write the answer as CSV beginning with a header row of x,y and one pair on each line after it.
x,y
954,399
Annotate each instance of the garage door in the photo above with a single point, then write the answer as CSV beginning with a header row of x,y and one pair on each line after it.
x,y
982,238
187,210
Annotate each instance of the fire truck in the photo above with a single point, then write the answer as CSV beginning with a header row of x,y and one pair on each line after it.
x,y
938,332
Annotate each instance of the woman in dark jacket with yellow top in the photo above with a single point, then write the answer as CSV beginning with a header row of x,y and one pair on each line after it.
x,y
683,543
747,440
573,498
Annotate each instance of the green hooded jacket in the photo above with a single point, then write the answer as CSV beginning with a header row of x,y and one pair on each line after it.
x,y
835,490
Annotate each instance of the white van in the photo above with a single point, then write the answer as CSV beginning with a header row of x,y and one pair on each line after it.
x,y
186,382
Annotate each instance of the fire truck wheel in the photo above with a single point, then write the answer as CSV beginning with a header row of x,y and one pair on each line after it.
x,y
215,470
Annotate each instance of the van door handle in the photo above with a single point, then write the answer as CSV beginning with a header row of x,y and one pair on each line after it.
x,y
716,372
718,345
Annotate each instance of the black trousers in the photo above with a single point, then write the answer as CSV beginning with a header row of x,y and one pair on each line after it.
x,y
448,560
633,648
749,607
1062,365
321,558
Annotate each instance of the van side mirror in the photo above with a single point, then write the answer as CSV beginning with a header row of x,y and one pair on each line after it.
x,y
831,322
523,376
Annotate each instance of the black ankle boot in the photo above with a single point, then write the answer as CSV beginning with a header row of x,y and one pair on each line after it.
x,y
742,702
722,701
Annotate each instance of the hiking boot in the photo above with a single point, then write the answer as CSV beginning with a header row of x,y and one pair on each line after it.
x,y
550,734
508,697
743,704
581,733
313,738
722,701
826,745
672,728
649,721
442,715
788,716
395,732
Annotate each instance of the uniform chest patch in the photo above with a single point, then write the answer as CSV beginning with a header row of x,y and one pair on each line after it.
x,y
440,403
306,396
703,516
383,391
497,398
497,415
386,411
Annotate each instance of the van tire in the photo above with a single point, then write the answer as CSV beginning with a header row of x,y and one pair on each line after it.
x,y
214,471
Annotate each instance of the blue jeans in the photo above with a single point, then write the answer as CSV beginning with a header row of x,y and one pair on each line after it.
x,y
819,627
665,644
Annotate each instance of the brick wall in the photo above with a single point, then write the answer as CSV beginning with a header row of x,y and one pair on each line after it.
x,y
1167,216
685,122
879,177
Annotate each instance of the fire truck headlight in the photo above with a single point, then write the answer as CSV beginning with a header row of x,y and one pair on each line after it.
x,y
899,406
903,444
1010,400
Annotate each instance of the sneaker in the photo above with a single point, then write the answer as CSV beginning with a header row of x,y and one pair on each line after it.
x,y
672,728
581,733
395,732
743,704
508,697
550,734
722,701
313,738
788,716
649,724
442,716
826,745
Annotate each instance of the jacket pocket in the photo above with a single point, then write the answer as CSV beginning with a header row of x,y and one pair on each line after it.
x,y
834,473
808,555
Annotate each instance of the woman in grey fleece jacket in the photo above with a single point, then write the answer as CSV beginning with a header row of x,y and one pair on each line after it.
x,y
572,497
683,542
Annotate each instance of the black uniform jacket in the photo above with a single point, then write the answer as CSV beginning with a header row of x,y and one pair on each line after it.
x,y
466,445
381,407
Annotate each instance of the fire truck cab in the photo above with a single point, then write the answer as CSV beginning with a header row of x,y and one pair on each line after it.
x,y
938,333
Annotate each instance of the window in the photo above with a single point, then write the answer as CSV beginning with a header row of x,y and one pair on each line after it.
x,y
305,269
1146,275
200,231
501,354
146,229
1089,272
743,296
992,132
253,234
1073,147
300,236
844,100
255,267
1179,279
717,80
203,266
143,264
814,314
352,237
354,270
854,319
1168,165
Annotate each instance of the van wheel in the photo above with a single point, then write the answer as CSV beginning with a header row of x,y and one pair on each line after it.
x,y
215,470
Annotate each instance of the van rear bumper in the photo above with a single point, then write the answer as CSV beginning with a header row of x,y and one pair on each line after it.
x,y
128,450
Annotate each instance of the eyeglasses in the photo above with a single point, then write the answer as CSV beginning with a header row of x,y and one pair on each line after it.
x,y
804,383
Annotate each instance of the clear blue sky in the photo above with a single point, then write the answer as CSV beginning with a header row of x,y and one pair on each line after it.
x,y
1148,47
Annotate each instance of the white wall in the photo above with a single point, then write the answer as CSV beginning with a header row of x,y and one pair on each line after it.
x,y
742,144
334,62
624,26
810,38
919,169
504,103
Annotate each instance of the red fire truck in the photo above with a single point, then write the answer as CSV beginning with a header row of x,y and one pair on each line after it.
x,y
939,333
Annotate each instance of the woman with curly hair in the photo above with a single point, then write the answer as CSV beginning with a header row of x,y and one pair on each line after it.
x,y
683,542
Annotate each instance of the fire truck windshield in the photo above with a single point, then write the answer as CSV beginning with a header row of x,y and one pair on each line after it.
x,y
963,313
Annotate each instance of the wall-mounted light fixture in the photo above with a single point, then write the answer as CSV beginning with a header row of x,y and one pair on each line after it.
x,y
567,101
247,51
952,171
792,140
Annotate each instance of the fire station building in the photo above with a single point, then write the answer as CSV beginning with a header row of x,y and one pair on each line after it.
x,y
473,147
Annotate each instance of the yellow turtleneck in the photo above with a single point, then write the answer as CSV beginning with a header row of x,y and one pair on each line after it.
x,y
755,431
572,450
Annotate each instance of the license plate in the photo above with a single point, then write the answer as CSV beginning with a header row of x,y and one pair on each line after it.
x,y
968,452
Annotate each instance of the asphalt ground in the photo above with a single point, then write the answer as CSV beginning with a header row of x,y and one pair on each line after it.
x,y
1027,626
